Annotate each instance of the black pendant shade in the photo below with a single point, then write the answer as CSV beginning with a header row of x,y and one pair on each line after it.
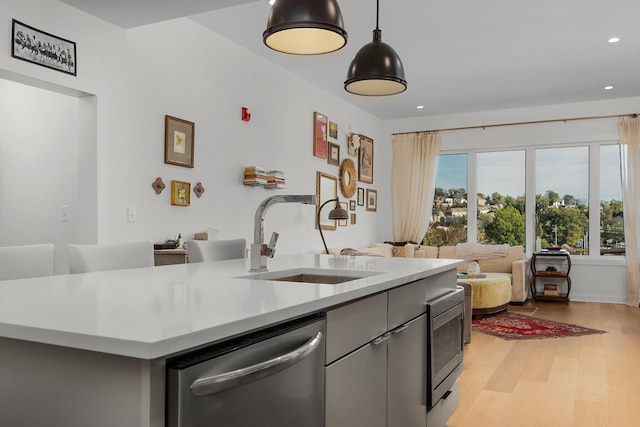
x,y
305,27
376,70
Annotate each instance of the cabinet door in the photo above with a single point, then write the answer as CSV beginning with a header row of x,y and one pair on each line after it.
x,y
356,388
407,375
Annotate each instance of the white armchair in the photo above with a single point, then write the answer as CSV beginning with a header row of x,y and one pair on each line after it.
x,y
19,262
216,250
88,258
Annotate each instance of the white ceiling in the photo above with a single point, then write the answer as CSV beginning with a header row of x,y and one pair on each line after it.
x,y
459,56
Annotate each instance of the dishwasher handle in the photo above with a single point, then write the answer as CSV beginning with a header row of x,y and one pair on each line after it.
x,y
228,380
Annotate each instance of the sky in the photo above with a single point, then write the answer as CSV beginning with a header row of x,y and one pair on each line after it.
x,y
563,170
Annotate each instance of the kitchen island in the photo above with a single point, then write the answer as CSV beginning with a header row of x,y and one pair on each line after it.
x,y
90,349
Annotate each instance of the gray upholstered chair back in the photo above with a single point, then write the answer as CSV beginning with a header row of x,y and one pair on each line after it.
x,y
19,262
88,258
216,250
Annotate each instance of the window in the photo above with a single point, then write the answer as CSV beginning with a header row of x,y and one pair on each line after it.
x,y
501,197
611,218
448,224
564,179
562,198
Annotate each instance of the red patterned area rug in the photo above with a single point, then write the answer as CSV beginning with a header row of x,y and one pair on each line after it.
x,y
514,326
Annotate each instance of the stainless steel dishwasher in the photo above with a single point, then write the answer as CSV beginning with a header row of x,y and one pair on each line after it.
x,y
271,378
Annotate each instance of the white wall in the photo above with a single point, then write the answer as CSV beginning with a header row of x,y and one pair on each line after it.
x,y
128,81
38,165
594,278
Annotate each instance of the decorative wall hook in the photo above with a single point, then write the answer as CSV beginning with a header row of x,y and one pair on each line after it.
x,y
158,185
198,189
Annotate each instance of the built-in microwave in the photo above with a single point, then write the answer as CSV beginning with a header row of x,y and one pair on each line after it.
x,y
445,343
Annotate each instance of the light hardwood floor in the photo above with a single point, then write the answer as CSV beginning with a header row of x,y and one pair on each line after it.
x,y
586,381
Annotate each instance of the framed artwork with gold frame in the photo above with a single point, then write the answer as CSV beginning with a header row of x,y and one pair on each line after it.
x,y
333,130
320,123
326,189
178,141
180,193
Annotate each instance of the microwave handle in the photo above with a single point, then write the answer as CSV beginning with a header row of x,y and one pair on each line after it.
x,y
228,380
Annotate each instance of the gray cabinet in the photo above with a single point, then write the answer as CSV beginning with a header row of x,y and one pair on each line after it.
x,y
406,373
376,360
356,364
356,388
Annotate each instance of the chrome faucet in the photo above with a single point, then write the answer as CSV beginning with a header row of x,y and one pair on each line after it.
x,y
259,250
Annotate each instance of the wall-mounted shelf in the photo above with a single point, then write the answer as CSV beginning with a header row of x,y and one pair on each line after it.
x,y
257,176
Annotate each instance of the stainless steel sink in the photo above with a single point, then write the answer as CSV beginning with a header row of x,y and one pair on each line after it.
x,y
311,275
316,278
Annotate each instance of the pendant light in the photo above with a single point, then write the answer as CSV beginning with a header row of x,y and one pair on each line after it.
x,y
305,27
376,70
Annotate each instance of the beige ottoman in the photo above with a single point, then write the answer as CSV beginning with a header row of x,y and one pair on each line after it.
x,y
491,294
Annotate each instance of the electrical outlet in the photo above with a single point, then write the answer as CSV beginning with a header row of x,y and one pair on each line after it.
x,y
131,213
64,213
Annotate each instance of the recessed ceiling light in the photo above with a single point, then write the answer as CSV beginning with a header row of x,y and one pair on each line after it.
x,y
614,40
608,87
420,107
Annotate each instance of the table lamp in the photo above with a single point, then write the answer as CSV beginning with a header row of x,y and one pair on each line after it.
x,y
337,213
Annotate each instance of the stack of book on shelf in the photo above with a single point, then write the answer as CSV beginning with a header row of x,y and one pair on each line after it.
x,y
551,290
255,175
275,179
554,250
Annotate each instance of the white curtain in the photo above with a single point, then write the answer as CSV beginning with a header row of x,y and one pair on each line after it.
x,y
629,133
413,183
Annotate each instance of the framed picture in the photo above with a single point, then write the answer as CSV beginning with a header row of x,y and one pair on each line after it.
x,y
180,193
360,196
178,141
326,189
372,200
333,130
353,219
41,48
343,222
365,160
333,157
352,205
320,135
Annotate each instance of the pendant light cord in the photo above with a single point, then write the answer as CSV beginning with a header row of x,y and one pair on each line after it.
x,y
377,14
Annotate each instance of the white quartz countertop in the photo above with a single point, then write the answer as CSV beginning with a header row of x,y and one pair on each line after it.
x,y
154,312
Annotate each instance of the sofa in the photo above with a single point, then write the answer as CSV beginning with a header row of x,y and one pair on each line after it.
x,y
513,264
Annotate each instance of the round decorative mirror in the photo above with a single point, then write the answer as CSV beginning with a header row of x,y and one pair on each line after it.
x,y
348,178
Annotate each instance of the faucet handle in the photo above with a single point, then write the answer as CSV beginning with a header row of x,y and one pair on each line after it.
x,y
271,249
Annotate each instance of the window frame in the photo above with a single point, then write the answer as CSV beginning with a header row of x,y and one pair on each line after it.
x,y
530,174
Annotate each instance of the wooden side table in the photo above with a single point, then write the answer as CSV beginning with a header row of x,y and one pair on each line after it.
x,y
169,256
559,275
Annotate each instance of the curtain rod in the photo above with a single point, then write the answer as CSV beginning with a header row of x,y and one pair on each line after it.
x,y
523,123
